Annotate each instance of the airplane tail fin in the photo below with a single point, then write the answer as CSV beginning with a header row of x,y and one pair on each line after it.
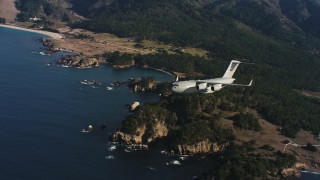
x,y
231,69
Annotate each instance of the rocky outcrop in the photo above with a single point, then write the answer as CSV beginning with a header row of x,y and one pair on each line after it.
x,y
157,131
127,138
154,125
134,106
48,44
52,48
294,171
142,84
144,135
79,61
203,147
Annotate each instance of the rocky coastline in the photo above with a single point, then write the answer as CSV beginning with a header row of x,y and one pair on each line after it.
x,y
80,61
147,134
152,125
147,137
51,48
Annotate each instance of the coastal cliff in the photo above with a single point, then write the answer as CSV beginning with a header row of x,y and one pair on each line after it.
x,y
149,124
145,134
153,124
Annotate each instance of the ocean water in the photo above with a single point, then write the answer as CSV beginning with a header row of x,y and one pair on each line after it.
x,y
44,107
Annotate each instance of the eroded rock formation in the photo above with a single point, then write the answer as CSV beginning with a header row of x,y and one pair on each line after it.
x,y
145,134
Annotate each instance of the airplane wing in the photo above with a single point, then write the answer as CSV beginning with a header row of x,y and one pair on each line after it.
x,y
228,84
240,84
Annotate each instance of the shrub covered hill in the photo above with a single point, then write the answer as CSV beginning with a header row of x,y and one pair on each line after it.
x,y
51,12
282,38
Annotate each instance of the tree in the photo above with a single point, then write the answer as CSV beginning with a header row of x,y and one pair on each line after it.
x,y
311,147
2,20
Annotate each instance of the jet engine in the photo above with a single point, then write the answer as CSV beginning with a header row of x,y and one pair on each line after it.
x,y
202,86
216,87
209,90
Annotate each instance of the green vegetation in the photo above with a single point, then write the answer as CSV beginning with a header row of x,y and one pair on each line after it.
x,y
174,62
193,133
270,95
120,59
83,36
281,64
285,57
246,121
310,147
194,108
53,10
30,9
284,160
145,84
146,81
307,18
240,162
192,121
2,20
148,115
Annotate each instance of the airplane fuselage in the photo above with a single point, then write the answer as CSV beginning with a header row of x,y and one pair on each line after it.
x,y
209,85
201,86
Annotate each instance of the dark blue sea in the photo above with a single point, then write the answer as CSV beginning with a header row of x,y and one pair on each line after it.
x,y
43,108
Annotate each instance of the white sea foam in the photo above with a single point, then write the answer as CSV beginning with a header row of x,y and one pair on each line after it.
x,y
112,148
109,157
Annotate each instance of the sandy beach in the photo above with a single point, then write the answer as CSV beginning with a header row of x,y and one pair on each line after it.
x,y
51,34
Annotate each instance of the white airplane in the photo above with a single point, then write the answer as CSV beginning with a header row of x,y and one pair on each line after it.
x,y
209,85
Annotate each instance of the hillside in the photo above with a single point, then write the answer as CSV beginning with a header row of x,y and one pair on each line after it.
x,y
50,11
8,10
285,56
305,14
226,29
